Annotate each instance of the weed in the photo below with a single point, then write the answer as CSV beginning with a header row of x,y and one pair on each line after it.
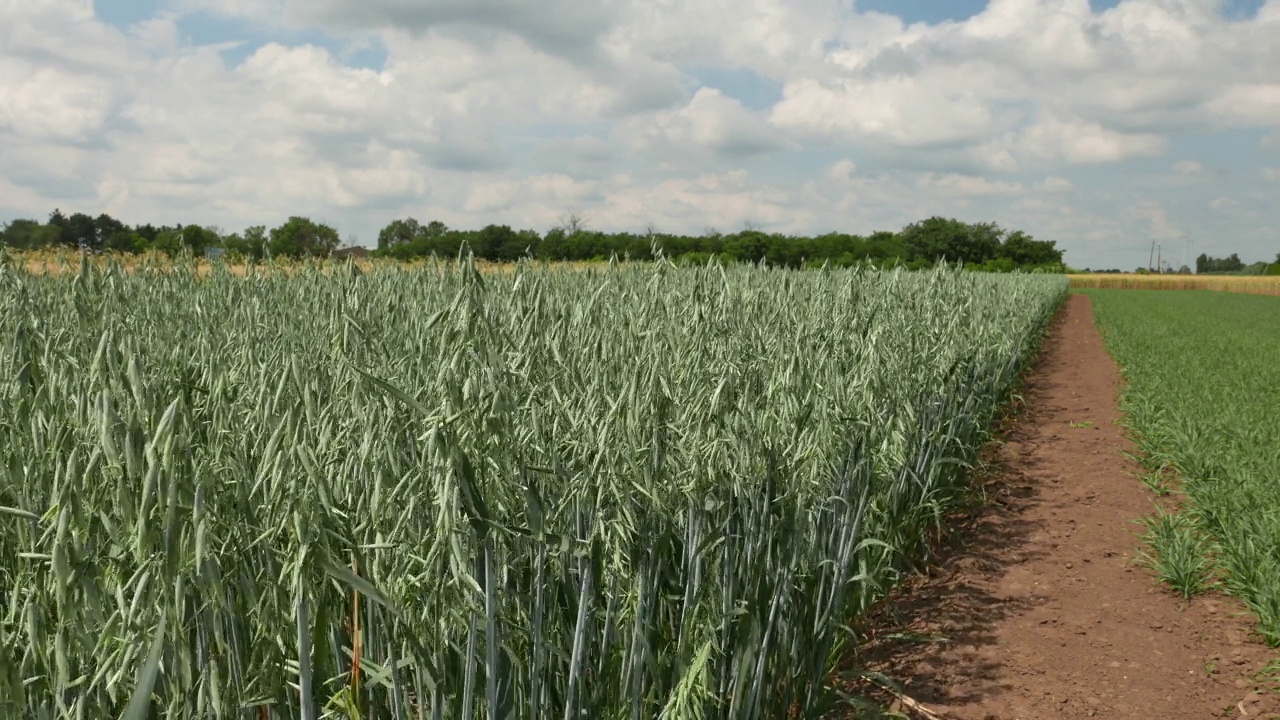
x,y
1269,676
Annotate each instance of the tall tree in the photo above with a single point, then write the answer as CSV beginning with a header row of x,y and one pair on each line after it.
x,y
252,243
301,236
936,238
59,221
399,232
1022,249
501,243
81,231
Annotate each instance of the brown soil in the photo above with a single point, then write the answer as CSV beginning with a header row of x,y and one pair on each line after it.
x,y
1043,612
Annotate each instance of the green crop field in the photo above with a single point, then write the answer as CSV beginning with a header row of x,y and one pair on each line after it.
x,y
435,493
1203,398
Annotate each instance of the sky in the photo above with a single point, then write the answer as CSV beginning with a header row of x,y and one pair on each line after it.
x,y
1101,125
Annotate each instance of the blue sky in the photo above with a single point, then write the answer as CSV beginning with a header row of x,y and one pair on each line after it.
x,y
1101,125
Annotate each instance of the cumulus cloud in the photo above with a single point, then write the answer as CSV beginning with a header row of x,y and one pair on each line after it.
x,y
1077,143
580,156
899,111
842,170
963,185
550,192
563,27
710,122
515,111
1156,218
1056,184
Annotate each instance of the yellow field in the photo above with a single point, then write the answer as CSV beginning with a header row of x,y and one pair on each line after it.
x,y
1258,285
56,263
61,261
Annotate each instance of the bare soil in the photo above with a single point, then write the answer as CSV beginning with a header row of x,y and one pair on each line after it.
x,y
1041,610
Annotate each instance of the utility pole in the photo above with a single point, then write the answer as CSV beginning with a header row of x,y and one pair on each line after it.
x,y
1151,255
1160,259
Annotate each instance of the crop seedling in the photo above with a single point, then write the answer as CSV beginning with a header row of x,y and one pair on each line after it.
x,y
1201,400
1157,482
1179,553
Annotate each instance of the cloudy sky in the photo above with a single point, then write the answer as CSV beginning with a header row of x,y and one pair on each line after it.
x,y
1100,124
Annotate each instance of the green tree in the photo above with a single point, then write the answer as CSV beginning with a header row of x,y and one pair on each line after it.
x,y
168,240
1023,249
1210,265
61,223
500,243
983,243
552,245
81,231
148,233
936,238
23,234
185,238
124,240
746,246
301,236
105,226
399,232
251,244
197,239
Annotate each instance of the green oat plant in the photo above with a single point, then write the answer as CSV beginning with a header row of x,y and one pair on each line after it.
x,y
619,492
1157,481
1179,553
1203,397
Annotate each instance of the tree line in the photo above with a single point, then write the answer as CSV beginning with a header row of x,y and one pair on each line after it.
x,y
984,246
297,237
1233,265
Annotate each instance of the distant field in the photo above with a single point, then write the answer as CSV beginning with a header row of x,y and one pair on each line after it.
x,y
1254,284
1203,397
49,263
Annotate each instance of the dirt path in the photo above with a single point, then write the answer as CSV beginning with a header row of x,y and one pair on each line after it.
x,y
1043,614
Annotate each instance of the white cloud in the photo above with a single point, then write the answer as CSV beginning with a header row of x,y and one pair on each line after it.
x,y
964,185
1055,184
1188,168
1246,104
842,170
559,27
551,192
1156,219
580,156
1230,207
898,111
1077,143
710,122
516,111
158,35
